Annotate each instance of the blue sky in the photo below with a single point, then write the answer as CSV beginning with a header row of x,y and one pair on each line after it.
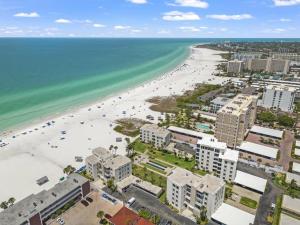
x,y
150,18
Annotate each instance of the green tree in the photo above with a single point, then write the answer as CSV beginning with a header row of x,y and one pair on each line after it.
x,y
100,214
4,205
266,117
285,120
11,201
69,169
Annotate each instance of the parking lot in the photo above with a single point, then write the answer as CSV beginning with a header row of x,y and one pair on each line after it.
x,y
83,214
152,204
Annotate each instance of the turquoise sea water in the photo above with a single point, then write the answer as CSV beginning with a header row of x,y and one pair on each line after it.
x,y
41,76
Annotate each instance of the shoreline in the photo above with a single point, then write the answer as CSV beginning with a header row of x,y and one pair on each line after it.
x,y
46,151
19,128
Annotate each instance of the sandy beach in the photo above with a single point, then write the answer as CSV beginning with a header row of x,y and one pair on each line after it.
x,y
45,149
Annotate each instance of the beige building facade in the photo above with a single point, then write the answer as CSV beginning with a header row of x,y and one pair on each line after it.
x,y
235,119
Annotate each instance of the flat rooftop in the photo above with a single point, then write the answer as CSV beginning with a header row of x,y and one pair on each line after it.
x,y
297,151
156,129
267,131
229,215
210,140
139,183
187,132
281,87
231,155
250,181
238,104
220,100
296,167
117,161
291,204
258,149
31,205
208,183
297,144
288,220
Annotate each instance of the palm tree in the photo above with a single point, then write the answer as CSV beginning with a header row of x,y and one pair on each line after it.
x,y
4,205
100,214
11,201
69,169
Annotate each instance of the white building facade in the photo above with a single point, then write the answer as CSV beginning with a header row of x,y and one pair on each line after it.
x,y
279,97
153,134
186,190
105,165
235,66
214,156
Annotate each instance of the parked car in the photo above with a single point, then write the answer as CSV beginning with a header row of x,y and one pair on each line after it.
x,y
89,199
84,202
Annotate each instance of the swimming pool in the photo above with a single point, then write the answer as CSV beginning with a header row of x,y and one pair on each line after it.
x,y
203,126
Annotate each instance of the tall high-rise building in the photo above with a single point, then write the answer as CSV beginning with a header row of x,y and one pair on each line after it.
x,y
235,67
235,118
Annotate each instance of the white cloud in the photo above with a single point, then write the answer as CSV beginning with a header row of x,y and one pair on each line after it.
x,y
180,16
28,15
190,29
121,27
190,3
164,32
276,30
98,25
224,29
230,17
138,1
64,21
136,30
286,2
285,20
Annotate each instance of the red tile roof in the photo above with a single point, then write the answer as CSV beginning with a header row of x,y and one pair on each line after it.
x,y
127,217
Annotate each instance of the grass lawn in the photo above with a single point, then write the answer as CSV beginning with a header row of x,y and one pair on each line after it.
x,y
172,159
140,147
277,211
152,177
248,202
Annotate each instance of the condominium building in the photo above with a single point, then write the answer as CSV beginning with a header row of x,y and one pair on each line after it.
x,y
153,134
186,190
245,56
218,103
287,56
214,156
257,65
268,65
278,65
235,118
37,208
279,97
105,165
235,66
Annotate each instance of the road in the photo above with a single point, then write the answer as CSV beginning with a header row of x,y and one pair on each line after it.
x,y
286,149
267,198
152,204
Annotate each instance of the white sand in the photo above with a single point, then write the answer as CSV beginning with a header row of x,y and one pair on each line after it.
x,y
30,156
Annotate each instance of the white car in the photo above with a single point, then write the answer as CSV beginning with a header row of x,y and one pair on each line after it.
x,y
60,221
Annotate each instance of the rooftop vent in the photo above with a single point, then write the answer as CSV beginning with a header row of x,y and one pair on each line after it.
x,y
75,181
53,194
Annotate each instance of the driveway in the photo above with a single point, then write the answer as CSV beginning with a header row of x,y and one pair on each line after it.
x,y
286,149
267,198
149,202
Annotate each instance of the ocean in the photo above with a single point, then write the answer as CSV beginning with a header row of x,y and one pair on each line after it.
x,y
43,76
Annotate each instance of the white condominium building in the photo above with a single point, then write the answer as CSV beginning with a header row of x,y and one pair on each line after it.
x,y
186,190
279,97
269,65
235,118
214,156
105,165
235,66
153,134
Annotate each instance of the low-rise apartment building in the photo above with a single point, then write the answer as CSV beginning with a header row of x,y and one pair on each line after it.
x,y
186,190
153,134
37,208
105,165
235,118
279,97
214,156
